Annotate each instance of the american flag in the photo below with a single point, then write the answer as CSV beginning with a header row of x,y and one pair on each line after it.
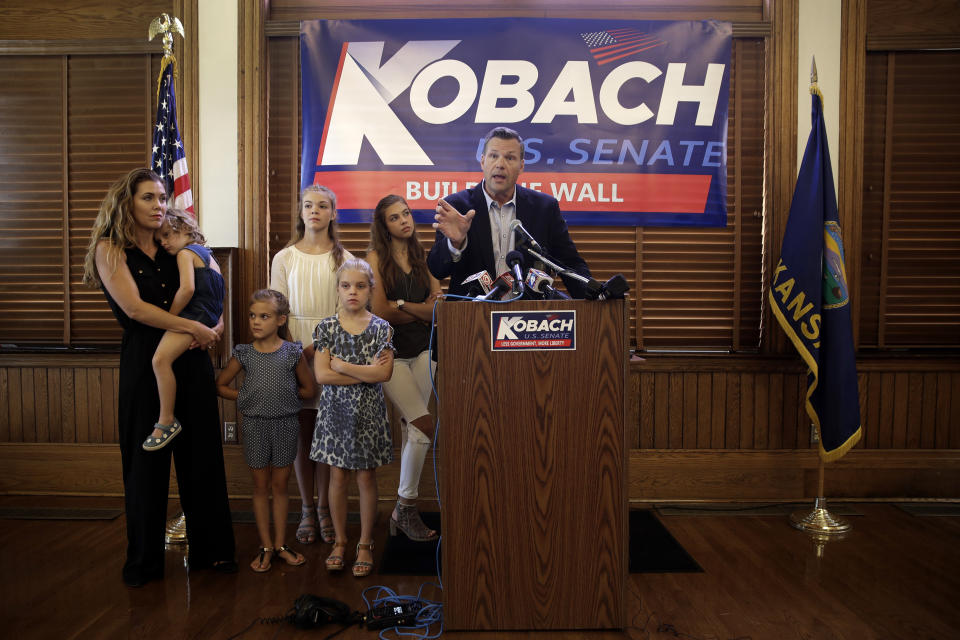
x,y
613,44
168,160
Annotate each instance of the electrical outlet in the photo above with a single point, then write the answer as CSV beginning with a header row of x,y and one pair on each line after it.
x,y
229,431
814,437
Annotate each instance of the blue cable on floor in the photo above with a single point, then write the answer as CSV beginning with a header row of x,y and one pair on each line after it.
x,y
430,613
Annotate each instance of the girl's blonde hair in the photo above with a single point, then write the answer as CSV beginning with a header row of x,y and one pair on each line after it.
x,y
356,264
183,222
114,223
279,302
380,243
333,230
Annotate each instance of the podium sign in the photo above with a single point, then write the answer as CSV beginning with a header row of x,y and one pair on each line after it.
x,y
533,466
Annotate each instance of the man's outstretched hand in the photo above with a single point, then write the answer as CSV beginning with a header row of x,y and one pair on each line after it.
x,y
452,224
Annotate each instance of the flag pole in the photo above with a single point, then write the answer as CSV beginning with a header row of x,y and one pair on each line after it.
x,y
168,158
818,521
176,527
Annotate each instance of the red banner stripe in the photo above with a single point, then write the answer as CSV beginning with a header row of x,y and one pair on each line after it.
x,y
333,98
628,192
605,58
623,42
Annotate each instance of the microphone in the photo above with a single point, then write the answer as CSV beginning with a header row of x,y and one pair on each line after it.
x,y
479,283
614,288
517,227
501,285
514,258
541,283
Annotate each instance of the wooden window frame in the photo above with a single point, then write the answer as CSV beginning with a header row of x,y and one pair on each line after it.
x,y
919,242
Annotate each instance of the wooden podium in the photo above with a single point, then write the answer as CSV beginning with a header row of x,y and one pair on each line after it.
x,y
532,471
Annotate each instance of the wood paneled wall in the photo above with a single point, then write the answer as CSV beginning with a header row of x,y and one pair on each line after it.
x,y
715,414
746,404
922,24
73,21
675,403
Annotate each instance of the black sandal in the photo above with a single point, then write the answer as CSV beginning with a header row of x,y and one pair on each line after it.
x,y
298,559
225,566
257,564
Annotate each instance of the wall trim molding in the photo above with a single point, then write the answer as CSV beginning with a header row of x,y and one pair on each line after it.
x,y
291,28
913,42
663,475
105,46
638,363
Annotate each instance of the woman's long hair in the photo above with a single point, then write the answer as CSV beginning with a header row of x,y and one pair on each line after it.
x,y
380,242
333,230
114,222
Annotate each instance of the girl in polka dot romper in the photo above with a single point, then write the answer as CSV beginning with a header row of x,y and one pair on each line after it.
x,y
275,381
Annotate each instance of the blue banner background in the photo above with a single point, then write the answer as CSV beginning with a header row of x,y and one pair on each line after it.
x,y
549,44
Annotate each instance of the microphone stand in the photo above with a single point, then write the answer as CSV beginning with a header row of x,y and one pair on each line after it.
x,y
515,295
593,286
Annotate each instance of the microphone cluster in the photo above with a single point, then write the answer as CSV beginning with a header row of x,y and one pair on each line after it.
x,y
537,284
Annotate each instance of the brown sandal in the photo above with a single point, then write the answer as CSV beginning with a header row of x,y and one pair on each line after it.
x,y
334,561
362,568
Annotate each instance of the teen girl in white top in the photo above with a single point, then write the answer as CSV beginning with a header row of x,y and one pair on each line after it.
x,y
306,273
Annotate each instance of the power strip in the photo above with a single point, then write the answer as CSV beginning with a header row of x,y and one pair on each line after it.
x,y
392,615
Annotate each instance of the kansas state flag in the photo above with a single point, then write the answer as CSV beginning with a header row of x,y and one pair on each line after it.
x,y
810,299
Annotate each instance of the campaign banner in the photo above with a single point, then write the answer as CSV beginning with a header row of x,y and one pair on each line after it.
x,y
624,121
533,330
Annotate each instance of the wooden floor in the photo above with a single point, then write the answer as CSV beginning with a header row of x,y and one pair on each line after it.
x,y
895,576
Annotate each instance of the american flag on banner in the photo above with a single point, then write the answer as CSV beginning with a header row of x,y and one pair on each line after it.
x,y
613,44
168,160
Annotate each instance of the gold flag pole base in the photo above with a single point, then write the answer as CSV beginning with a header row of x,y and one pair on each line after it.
x,y
819,521
176,530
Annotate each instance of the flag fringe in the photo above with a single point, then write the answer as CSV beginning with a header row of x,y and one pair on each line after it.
x,y
170,59
812,367
839,452
815,90
795,339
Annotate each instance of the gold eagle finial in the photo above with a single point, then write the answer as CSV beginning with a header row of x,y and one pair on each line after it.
x,y
167,26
